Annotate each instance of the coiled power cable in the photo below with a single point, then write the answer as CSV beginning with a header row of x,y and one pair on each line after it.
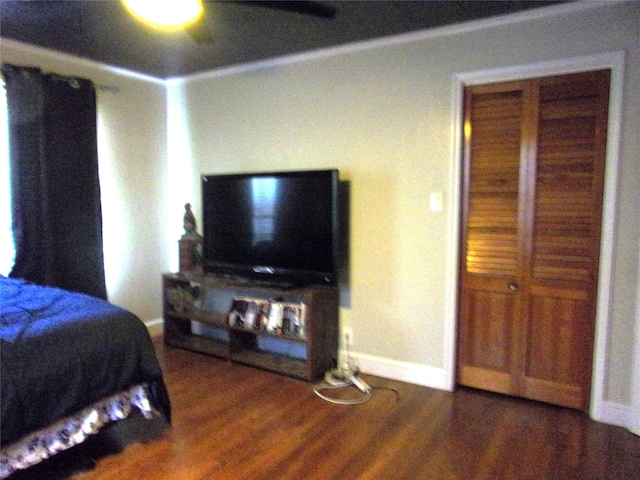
x,y
341,378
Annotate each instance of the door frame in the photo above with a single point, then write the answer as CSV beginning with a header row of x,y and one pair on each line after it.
x,y
611,60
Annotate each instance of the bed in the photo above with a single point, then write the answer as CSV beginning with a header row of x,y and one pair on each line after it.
x,y
71,364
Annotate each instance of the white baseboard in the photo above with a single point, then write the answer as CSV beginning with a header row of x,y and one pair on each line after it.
x,y
155,326
423,375
612,413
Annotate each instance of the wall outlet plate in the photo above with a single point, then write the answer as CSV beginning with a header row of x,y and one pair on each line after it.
x,y
347,334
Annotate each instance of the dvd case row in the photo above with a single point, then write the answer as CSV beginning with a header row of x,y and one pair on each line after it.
x,y
273,316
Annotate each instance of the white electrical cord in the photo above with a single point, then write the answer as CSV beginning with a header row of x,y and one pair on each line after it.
x,y
345,383
345,377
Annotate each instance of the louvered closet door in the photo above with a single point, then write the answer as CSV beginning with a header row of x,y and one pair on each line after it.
x,y
532,202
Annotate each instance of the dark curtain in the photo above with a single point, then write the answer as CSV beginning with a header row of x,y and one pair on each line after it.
x,y
55,189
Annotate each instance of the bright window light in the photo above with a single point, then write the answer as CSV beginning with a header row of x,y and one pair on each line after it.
x,y
7,248
166,13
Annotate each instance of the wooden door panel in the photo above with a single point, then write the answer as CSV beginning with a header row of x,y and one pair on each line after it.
x,y
487,379
486,359
569,177
530,235
490,253
490,330
559,345
566,238
491,227
558,339
553,392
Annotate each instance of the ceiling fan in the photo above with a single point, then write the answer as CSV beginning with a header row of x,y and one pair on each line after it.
x,y
201,34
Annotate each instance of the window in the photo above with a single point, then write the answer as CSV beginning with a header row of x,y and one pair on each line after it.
x,y
7,248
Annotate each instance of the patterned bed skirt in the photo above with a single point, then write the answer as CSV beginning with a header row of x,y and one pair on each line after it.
x,y
73,430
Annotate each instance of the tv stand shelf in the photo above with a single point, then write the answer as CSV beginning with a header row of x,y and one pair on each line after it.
x,y
196,311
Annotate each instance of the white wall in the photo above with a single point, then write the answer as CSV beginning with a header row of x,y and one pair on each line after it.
x,y
133,176
383,113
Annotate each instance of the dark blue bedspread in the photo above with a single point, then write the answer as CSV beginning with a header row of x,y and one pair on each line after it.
x,y
62,351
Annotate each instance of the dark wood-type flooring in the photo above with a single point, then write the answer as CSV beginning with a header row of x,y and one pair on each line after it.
x,y
236,422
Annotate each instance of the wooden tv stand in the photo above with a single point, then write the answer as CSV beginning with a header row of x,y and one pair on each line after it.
x,y
196,313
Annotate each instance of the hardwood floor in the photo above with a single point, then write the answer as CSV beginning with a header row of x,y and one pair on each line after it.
x,y
235,422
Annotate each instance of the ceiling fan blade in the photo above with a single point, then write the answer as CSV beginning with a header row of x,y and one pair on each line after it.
x,y
201,34
199,31
315,9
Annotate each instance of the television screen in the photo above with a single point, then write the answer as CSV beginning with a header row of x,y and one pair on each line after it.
x,y
278,227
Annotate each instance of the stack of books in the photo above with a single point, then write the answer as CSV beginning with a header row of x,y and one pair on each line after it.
x,y
184,297
273,316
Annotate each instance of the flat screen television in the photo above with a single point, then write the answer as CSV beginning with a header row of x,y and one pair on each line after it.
x,y
278,228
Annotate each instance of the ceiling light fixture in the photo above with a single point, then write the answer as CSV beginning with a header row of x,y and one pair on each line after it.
x,y
165,13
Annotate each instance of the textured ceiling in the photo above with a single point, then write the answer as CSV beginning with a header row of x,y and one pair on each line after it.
x,y
240,32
